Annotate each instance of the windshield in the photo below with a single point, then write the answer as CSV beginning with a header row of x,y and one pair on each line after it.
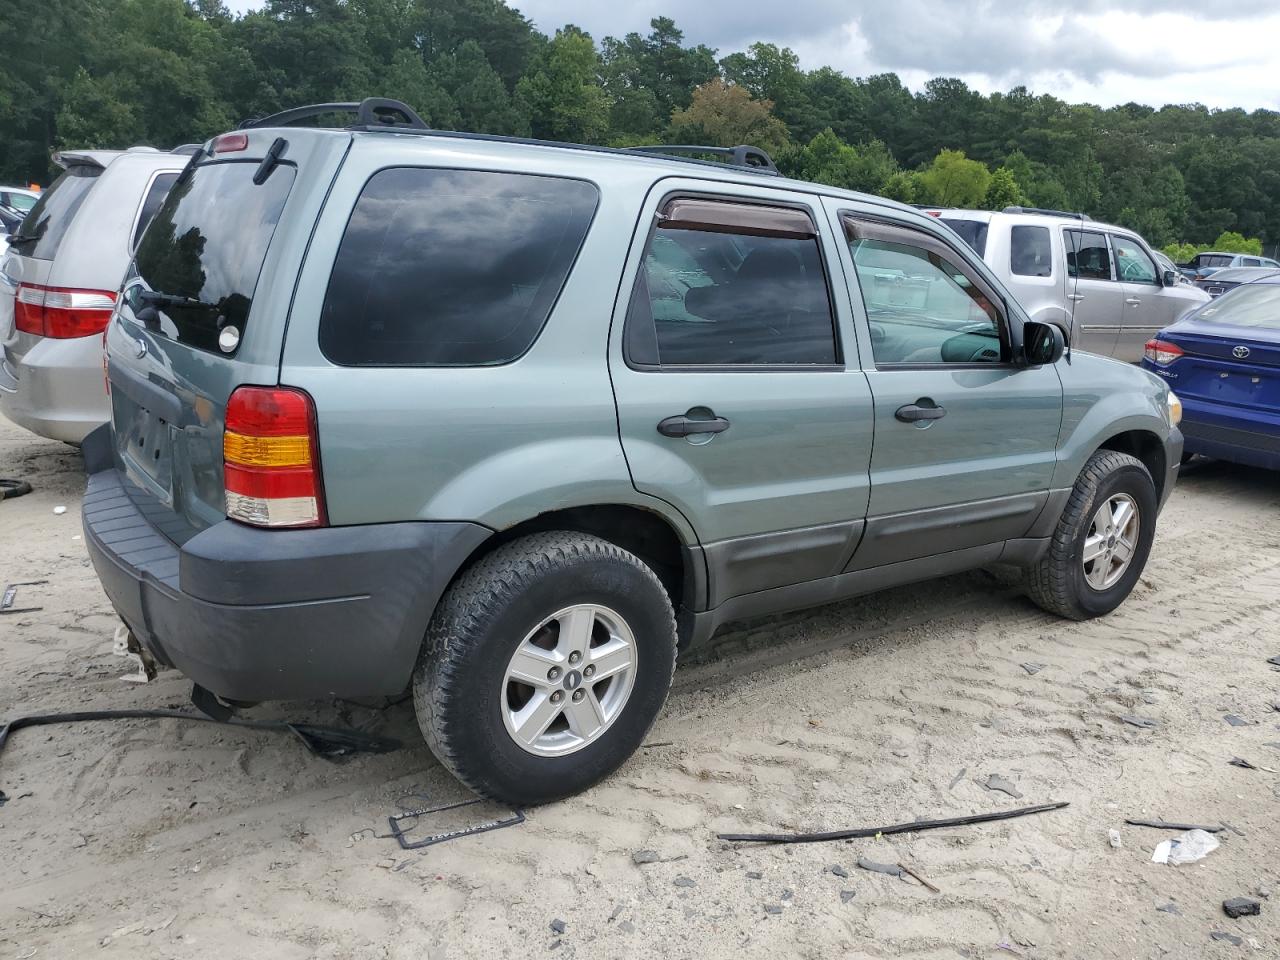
x,y
972,232
42,230
207,245
1253,305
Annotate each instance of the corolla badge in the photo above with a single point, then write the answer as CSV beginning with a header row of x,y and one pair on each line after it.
x,y
1240,352
140,349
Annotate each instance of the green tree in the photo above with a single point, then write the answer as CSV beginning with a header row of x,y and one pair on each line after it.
x,y
1231,242
649,77
953,180
827,159
560,93
1003,191
724,115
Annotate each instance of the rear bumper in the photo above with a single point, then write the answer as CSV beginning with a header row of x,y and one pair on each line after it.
x,y
1231,433
56,389
273,614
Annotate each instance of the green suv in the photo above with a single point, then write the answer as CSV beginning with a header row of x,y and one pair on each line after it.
x,y
513,423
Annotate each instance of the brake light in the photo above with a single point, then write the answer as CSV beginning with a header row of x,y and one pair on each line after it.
x,y
62,313
271,458
1161,352
231,143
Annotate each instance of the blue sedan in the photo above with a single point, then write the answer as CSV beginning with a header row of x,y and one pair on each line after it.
x,y
1223,362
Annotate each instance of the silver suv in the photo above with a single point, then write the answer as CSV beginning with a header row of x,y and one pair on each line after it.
x,y
513,422
58,284
1101,284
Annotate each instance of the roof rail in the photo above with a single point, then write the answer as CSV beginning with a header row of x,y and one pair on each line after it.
x,y
743,155
372,113
1041,211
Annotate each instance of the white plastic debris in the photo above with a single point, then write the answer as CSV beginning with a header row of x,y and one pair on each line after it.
x,y
59,510
1114,836
1191,846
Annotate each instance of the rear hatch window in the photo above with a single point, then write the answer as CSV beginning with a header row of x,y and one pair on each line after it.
x,y
203,252
42,230
972,232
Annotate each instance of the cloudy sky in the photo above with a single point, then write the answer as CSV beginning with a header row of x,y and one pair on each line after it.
x,y
1104,51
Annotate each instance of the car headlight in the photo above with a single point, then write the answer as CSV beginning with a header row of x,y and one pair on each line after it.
x,y
1174,408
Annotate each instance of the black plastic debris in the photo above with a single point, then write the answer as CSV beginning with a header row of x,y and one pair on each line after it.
x,y
1238,907
1274,661
847,895
1235,721
1231,938
957,778
889,869
685,882
557,926
1241,762
773,908
645,856
1170,907
1144,723
1033,668
839,871
754,875
9,489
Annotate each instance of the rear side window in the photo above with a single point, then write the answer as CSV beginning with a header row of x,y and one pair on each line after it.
x,y
1029,253
731,284
206,246
44,227
1088,256
972,232
451,267
156,193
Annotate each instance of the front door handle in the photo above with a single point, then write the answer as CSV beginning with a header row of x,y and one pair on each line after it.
x,y
922,409
1075,297
1133,301
685,426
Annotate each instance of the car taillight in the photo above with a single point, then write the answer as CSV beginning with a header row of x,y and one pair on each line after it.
x,y
62,313
1162,352
231,143
271,458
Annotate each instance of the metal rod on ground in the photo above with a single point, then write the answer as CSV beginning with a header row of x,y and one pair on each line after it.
x,y
1163,825
914,826
907,870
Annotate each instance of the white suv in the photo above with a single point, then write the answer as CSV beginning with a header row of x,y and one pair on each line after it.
x,y
1100,283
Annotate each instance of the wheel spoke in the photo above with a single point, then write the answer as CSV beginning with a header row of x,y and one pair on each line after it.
x,y
1094,547
534,717
1121,516
585,716
609,658
575,630
530,665
1124,550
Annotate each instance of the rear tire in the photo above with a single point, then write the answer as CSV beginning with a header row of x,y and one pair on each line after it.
x,y
546,607
1064,581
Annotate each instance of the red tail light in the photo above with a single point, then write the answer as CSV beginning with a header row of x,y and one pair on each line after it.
x,y
1162,352
271,458
62,312
231,143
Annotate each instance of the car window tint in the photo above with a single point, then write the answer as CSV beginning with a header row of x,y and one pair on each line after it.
x,y
156,193
451,267
719,298
922,308
1252,262
972,232
1249,305
1087,255
1029,252
1132,263
47,223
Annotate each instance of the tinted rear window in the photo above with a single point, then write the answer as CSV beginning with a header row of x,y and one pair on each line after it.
x,y
451,267
156,193
1251,305
1029,252
47,223
208,243
972,232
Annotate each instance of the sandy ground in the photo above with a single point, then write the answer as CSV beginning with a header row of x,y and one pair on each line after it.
x,y
159,839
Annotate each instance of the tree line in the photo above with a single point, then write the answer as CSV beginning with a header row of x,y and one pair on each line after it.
x,y
111,73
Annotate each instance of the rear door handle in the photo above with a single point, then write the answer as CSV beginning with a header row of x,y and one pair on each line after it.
x,y
1075,296
1133,301
685,426
922,409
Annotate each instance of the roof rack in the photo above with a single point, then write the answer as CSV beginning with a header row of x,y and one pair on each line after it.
x,y
380,115
1041,211
743,155
372,113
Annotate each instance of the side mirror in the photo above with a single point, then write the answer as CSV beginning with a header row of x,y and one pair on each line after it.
x,y
1043,343
1169,278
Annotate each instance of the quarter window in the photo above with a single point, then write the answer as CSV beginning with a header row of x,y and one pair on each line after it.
x,y
1087,255
922,307
158,190
1132,263
1029,252
451,267
731,284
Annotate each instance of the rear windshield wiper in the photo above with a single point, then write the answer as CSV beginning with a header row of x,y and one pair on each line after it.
x,y
158,298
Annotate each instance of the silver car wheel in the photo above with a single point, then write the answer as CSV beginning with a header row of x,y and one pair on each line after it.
x,y
569,680
1110,542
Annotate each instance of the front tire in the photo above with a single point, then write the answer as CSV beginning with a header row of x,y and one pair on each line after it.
x,y
1102,540
544,666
